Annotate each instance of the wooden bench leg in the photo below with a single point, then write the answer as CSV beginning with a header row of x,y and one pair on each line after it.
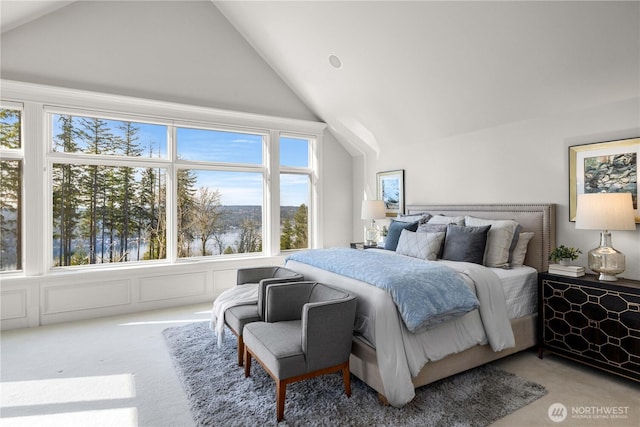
x,y
346,378
281,391
240,349
247,362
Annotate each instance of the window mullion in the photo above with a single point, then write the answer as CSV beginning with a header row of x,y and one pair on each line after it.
x,y
37,200
172,196
273,191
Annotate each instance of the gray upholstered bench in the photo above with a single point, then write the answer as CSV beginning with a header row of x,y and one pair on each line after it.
x,y
236,317
307,332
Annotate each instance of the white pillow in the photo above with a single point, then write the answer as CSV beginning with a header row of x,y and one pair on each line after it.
x,y
519,253
499,239
442,219
420,245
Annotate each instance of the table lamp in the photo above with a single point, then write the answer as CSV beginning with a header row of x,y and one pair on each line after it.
x,y
605,211
372,210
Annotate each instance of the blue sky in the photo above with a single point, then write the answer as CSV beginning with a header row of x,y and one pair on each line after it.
x,y
236,188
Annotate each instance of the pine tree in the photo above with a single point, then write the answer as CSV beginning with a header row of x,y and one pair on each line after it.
x,y
128,145
98,140
150,213
286,238
67,194
185,208
301,227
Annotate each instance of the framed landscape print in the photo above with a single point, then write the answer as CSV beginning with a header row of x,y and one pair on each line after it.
x,y
609,167
391,191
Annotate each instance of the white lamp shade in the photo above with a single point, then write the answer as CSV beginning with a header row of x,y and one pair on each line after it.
x,y
605,211
373,209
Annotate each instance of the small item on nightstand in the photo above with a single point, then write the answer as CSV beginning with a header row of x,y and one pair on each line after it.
x,y
566,270
360,245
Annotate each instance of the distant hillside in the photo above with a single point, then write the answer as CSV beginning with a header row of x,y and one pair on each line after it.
x,y
231,214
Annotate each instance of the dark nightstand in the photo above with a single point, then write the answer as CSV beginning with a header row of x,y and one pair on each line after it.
x,y
360,245
591,321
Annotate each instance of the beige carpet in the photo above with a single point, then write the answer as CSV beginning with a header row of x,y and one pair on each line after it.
x,y
117,372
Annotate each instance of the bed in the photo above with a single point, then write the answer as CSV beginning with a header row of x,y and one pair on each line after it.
x,y
394,361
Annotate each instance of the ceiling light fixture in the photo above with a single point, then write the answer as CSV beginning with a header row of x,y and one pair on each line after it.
x,y
335,62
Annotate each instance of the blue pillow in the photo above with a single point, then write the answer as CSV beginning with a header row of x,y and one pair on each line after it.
x,y
465,244
393,235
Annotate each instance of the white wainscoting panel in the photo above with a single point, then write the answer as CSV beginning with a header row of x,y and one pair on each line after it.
x,y
14,304
86,296
72,295
224,279
172,286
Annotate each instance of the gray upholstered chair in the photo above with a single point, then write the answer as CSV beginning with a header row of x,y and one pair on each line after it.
x,y
307,332
236,317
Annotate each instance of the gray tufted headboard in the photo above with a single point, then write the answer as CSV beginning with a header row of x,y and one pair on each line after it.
x,y
539,218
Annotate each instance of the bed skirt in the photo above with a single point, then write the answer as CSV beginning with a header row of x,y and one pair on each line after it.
x,y
363,363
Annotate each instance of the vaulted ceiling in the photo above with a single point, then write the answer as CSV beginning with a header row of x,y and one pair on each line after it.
x,y
384,73
418,71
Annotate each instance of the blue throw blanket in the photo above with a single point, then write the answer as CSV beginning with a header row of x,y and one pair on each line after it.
x,y
425,292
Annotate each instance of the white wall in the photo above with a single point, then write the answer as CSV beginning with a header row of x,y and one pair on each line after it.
x,y
184,52
525,162
179,51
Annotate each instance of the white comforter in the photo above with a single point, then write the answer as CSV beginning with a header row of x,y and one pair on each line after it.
x,y
402,354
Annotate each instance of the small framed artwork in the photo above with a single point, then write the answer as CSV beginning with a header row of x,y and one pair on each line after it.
x,y
604,167
391,191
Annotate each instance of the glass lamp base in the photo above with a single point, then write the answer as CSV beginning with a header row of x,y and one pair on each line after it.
x,y
371,236
606,260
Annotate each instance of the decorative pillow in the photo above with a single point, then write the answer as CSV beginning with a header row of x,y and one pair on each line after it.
x,y
420,245
432,228
514,242
519,253
395,228
465,243
443,219
498,241
420,217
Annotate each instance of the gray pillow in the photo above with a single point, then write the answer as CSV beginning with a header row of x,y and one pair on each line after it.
x,y
422,217
395,228
432,228
465,244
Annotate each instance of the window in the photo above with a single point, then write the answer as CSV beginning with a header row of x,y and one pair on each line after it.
x,y
11,188
109,200
295,192
220,209
115,181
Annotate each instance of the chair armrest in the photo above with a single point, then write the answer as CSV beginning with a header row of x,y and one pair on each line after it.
x,y
284,301
256,274
327,331
281,278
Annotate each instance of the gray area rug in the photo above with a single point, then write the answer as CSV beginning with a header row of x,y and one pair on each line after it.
x,y
220,395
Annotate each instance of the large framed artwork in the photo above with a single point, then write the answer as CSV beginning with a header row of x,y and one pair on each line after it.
x,y
609,167
391,191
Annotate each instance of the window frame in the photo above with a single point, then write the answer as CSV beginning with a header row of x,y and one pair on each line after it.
x,y
41,102
310,172
17,154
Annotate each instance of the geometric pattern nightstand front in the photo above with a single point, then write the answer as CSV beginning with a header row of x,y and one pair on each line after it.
x,y
593,322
